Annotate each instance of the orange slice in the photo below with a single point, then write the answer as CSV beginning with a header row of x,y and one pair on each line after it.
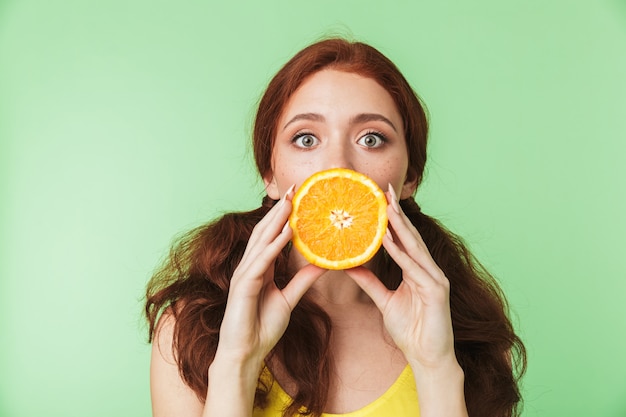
x,y
339,218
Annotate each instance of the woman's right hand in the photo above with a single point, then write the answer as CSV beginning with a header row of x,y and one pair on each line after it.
x,y
257,311
256,316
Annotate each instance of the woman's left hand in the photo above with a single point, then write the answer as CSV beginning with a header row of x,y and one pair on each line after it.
x,y
416,314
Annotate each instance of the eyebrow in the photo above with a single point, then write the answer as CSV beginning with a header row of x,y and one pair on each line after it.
x,y
359,118
371,117
313,117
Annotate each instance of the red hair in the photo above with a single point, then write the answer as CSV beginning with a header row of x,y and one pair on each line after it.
x,y
193,283
341,55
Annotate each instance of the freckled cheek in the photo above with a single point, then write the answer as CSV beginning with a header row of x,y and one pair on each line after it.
x,y
380,176
292,175
391,171
287,170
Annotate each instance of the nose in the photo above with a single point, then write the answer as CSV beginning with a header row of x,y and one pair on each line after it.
x,y
339,156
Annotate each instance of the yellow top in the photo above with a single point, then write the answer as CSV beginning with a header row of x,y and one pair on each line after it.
x,y
399,400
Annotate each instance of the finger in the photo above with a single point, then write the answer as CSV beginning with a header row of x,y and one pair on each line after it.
x,y
270,225
263,256
392,199
300,283
402,223
409,238
372,286
411,270
432,290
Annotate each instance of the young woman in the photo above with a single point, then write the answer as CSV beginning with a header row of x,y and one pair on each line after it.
x,y
241,325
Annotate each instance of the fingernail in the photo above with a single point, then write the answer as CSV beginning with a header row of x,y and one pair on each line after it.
x,y
285,227
284,197
388,234
394,199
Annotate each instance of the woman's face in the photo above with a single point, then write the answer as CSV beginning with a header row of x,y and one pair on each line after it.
x,y
337,119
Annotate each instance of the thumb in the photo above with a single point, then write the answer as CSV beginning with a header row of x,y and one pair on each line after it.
x,y
300,283
372,286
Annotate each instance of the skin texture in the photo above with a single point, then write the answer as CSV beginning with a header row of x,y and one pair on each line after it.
x,y
331,108
335,119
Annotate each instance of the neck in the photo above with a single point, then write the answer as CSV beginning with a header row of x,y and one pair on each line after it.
x,y
336,288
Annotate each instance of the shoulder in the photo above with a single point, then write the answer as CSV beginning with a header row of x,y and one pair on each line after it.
x,y
170,394
163,341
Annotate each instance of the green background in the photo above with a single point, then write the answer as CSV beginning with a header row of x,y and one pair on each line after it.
x,y
124,123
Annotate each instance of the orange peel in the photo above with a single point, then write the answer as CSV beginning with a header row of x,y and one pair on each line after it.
x,y
338,218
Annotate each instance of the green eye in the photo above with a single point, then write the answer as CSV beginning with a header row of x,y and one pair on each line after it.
x,y
371,140
305,140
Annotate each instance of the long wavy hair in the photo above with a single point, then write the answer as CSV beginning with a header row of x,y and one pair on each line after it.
x,y
193,282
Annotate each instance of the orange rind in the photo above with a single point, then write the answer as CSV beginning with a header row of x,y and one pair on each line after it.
x,y
339,218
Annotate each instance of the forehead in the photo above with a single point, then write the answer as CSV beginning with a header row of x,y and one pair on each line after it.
x,y
338,93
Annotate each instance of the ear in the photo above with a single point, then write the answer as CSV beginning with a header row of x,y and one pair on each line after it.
x,y
410,184
271,187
